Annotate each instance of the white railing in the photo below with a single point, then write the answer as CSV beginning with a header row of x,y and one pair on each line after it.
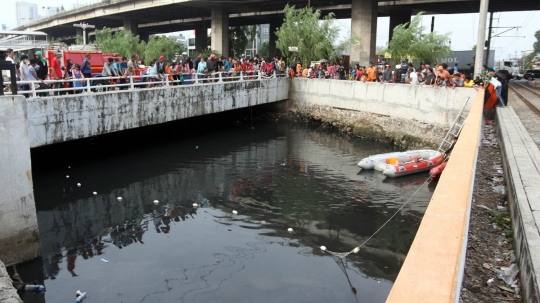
x,y
33,89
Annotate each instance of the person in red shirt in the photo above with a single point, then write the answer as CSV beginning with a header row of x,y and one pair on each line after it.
x,y
56,71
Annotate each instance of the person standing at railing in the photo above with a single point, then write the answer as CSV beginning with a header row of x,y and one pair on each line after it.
x,y
9,58
108,71
132,66
23,71
77,74
122,72
56,72
212,66
42,69
201,68
86,67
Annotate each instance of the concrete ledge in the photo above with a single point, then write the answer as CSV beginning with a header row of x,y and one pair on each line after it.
x,y
521,163
377,110
59,119
433,269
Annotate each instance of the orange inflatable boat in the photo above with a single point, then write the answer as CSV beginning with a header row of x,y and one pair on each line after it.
x,y
428,160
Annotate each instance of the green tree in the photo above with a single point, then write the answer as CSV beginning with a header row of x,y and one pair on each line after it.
x,y
265,49
78,40
121,42
536,49
239,37
410,41
161,45
306,29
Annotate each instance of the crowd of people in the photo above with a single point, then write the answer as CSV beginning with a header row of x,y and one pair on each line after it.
x,y
175,71
439,75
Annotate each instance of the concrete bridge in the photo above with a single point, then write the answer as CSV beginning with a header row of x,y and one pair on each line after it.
x,y
145,17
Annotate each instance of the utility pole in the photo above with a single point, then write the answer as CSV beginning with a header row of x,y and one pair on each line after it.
x,y
432,23
481,38
308,3
84,26
489,37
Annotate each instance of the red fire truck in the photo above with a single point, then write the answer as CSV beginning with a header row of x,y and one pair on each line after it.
x,y
77,53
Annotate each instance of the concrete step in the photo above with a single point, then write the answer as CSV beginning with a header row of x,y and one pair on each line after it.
x,y
521,162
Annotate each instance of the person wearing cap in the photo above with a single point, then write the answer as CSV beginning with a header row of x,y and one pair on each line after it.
x,y
56,71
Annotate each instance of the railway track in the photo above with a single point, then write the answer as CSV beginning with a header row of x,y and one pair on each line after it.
x,y
515,88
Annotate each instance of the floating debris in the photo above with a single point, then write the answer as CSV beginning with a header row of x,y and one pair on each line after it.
x,y
95,193
69,166
197,147
195,205
356,250
104,260
67,176
78,184
262,222
235,212
119,198
156,202
290,230
323,248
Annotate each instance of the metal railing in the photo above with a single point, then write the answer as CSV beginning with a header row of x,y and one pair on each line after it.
x,y
33,89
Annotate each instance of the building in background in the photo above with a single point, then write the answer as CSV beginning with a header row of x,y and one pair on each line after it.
x,y
255,44
26,12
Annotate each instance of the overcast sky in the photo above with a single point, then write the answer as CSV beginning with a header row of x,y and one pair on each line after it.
x,y
462,28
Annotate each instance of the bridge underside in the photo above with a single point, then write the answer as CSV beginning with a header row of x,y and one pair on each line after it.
x,y
186,15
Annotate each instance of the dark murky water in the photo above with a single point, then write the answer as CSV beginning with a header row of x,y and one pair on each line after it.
x,y
276,176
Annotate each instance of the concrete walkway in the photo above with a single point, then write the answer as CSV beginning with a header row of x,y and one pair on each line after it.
x,y
8,294
521,162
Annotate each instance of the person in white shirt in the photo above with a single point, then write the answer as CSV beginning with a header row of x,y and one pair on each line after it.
x,y
413,76
23,71
9,58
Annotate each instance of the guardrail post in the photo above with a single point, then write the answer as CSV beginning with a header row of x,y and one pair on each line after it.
x,y
241,76
196,78
166,80
33,90
220,77
259,75
131,85
88,89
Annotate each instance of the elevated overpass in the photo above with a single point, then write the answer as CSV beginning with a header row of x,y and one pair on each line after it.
x,y
146,17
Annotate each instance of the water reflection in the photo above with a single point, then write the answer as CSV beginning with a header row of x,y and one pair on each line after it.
x,y
291,176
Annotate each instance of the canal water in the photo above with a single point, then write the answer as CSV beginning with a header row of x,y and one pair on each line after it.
x,y
276,176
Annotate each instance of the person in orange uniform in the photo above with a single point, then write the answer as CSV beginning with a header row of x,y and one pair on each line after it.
x,y
371,73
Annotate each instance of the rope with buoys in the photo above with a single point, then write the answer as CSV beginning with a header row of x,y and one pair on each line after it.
x,y
357,249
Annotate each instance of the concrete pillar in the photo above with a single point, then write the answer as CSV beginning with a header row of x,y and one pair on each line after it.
x,y
19,238
220,30
274,25
364,30
201,36
131,25
398,17
481,37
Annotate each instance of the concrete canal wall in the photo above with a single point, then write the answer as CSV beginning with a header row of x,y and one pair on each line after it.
x,y
52,120
407,115
8,294
18,221
521,163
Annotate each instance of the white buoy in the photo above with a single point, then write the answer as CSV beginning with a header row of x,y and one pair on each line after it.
x,y
195,205
78,184
119,198
156,202
95,193
67,176
235,212
356,250
290,230
323,248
